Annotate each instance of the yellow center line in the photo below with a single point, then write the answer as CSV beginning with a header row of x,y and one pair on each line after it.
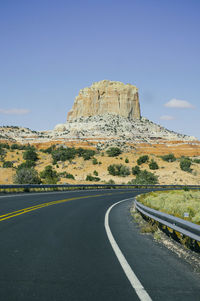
x,y
32,208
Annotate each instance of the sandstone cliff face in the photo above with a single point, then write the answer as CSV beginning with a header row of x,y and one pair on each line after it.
x,y
106,97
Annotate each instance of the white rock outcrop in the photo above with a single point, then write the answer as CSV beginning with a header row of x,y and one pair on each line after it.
x,y
110,126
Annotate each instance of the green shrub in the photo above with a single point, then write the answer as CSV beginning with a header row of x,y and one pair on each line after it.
x,y
49,150
113,151
69,176
4,145
80,151
196,161
142,159
153,165
26,176
94,161
126,160
2,154
63,154
169,158
19,146
118,170
110,182
135,170
7,164
49,175
88,154
16,146
26,164
22,147
95,173
185,165
66,175
91,178
145,177
30,155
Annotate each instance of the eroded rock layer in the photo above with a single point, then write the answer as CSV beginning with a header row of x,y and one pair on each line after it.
x,y
106,97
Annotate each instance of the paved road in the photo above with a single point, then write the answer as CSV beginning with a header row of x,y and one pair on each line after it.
x,y
62,252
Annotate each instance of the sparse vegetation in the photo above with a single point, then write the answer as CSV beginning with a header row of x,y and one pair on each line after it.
x,y
135,170
2,154
26,164
142,159
4,145
15,146
94,161
185,165
7,164
145,177
196,161
113,151
92,179
26,176
49,175
30,154
110,182
16,155
69,176
169,158
88,154
153,165
66,175
49,150
63,154
118,170
95,173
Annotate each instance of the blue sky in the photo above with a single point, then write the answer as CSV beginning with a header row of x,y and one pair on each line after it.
x,y
49,50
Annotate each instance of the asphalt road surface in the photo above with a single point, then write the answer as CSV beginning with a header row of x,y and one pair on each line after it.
x,y
54,246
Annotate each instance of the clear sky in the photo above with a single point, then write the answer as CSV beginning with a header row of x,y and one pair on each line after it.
x,y
50,49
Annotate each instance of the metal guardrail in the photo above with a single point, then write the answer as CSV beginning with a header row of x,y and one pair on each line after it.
x,y
49,187
177,224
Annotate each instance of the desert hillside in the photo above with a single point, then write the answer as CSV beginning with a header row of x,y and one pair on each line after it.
x,y
97,165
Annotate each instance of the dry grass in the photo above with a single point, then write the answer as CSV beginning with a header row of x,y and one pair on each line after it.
x,y
175,202
168,173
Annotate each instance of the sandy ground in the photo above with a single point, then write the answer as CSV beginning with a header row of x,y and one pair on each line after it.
x,y
168,173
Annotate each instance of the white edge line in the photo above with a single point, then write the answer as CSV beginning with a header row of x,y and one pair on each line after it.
x,y
136,284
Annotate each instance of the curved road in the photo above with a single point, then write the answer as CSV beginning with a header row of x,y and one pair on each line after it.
x,y
58,249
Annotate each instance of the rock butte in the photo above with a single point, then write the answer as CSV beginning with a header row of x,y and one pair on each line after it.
x,y
111,110
106,97
108,114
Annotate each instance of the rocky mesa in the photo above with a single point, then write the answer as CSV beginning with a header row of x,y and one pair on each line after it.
x,y
108,114
110,110
106,97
